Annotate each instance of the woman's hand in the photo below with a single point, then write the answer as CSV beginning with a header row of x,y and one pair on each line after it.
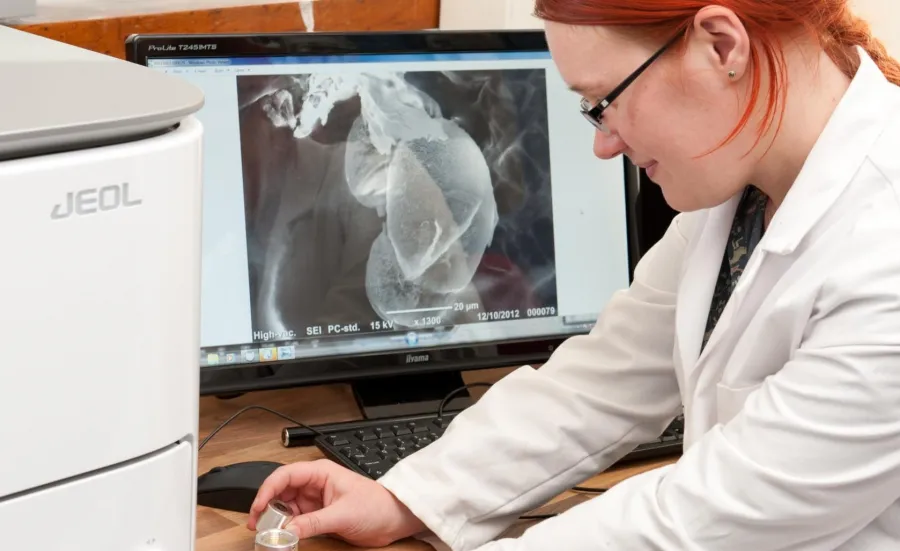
x,y
330,499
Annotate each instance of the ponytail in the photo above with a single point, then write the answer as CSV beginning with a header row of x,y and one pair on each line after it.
x,y
845,31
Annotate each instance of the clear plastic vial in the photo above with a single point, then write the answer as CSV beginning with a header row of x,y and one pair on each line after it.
x,y
276,539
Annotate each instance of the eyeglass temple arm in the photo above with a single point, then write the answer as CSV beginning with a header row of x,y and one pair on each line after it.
x,y
618,89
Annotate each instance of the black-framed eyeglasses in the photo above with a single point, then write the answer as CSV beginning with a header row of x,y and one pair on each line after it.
x,y
594,113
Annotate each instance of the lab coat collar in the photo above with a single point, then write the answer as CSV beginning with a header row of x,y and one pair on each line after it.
x,y
853,128
841,149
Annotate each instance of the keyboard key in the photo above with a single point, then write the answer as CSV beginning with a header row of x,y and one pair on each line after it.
x,y
369,459
400,431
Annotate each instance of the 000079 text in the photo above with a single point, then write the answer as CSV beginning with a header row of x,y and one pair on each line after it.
x,y
539,312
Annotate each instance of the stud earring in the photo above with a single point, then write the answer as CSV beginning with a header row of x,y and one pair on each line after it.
x,y
731,74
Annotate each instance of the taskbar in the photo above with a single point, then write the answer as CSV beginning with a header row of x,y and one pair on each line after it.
x,y
324,347
267,349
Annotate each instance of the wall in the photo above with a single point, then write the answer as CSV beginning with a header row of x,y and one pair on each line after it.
x,y
16,8
883,15
488,14
158,5
54,9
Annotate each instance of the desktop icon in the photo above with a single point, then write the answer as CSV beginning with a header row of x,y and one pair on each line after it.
x,y
212,359
285,352
250,356
268,354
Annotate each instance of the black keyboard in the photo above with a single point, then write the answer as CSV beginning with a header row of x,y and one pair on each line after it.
x,y
372,447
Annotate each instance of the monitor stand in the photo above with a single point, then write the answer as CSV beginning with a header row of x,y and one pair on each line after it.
x,y
405,395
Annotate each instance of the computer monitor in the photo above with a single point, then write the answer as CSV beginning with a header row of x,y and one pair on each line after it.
x,y
388,209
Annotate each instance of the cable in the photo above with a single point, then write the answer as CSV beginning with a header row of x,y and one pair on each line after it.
x,y
245,410
587,490
446,400
576,489
299,435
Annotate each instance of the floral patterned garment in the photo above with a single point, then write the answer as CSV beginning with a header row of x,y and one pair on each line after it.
x,y
746,231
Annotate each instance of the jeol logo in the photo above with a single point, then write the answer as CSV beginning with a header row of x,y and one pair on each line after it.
x,y
417,358
94,200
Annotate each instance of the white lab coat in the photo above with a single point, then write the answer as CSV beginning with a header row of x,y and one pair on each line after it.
x,y
792,409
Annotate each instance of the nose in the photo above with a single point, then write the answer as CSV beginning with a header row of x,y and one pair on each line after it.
x,y
607,146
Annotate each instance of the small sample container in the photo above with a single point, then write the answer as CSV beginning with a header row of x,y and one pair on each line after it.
x,y
276,540
276,516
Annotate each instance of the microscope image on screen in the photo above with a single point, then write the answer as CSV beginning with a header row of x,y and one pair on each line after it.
x,y
396,201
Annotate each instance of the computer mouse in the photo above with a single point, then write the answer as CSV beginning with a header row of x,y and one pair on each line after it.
x,y
233,487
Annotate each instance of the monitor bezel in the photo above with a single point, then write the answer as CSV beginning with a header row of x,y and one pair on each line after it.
x,y
138,47
239,378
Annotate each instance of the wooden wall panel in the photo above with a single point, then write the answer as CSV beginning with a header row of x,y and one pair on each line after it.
x,y
107,35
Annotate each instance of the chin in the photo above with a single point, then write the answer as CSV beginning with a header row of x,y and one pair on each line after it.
x,y
684,194
680,201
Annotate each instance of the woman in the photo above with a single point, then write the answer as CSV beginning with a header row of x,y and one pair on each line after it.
x,y
770,311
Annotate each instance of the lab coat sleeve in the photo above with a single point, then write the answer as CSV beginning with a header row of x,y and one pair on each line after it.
x,y
810,460
539,431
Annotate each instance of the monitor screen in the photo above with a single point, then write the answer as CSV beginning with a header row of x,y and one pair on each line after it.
x,y
363,203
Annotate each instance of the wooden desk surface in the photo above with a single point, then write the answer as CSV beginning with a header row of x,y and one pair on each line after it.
x,y
255,436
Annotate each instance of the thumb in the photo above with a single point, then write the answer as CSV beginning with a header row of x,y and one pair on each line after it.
x,y
317,523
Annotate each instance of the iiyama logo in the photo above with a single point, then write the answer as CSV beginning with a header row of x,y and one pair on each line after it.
x,y
417,358
93,200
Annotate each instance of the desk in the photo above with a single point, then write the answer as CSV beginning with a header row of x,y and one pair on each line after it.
x,y
255,436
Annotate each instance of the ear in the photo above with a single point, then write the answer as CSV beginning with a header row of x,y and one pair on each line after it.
x,y
722,40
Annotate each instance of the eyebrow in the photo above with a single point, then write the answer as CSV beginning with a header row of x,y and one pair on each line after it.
x,y
577,89
586,91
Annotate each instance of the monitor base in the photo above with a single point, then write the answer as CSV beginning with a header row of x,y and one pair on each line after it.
x,y
404,395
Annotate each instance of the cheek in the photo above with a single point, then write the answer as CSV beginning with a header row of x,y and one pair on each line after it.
x,y
665,125
649,125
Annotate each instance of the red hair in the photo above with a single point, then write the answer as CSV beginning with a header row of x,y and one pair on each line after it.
x,y
831,22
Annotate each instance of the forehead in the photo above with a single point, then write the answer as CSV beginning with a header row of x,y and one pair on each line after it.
x,y
590,58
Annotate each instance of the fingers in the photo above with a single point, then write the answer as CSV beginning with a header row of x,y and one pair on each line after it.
x,y
319,523
295,477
